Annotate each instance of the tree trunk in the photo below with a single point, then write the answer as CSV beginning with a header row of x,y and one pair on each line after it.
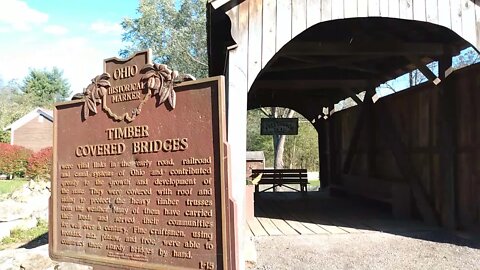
x,y
279,140
279,148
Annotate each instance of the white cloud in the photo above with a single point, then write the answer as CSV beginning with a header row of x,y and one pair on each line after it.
x,y
55,30
103,27
16,15
80,59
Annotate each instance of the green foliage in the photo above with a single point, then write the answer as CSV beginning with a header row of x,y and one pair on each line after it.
x,y
177,36
301,151
9,186
40,88
45,87
22,236
257,142
13,105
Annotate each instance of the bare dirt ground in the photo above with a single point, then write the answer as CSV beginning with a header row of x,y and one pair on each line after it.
x,y
436,249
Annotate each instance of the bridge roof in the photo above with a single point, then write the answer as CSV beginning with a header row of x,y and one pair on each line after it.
x,y
332,60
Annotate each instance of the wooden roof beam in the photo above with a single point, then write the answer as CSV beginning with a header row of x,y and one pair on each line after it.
x,y
311,48
343,62
353,95
425,70
309,84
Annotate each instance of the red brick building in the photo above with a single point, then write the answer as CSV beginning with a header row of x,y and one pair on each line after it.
x,y
33,131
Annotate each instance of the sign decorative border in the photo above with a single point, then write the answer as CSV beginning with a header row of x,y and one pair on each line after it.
x,y
158,80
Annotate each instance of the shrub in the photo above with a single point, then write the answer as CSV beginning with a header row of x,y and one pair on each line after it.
x,y
13,159
40,164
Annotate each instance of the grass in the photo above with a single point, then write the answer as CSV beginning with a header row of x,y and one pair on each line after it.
x,y
9,186
23,236
314,182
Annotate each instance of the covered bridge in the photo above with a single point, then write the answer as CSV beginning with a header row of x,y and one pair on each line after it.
x,y
308,55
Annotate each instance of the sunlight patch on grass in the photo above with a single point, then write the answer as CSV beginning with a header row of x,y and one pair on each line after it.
x,y
9,186
23,236
314,182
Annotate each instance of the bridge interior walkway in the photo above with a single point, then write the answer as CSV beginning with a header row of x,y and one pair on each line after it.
x,y
316,212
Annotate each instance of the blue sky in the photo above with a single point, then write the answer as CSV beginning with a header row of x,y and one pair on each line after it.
x,y
73,35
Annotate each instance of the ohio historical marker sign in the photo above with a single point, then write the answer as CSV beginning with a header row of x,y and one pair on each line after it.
x,y
139,179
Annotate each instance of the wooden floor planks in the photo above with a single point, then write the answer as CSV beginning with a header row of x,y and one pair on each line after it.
x,y
283,213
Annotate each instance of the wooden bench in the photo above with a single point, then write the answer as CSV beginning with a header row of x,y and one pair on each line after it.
x,y
397,194
280,177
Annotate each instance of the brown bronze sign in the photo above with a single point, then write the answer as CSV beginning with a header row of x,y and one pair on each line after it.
x,y
138,184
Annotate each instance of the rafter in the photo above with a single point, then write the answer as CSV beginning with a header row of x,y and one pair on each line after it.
x,y
375,48
342,62
353,95
425,70
309,84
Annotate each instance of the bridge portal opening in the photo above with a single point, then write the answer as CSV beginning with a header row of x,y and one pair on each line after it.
x,y
399,150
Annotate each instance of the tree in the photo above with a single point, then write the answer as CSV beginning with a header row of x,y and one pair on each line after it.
x,y
45,87
256,141
13,105
299,151
40,88
279,140
175,30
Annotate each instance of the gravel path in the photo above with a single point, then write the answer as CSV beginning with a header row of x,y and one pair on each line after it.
x,y
376,250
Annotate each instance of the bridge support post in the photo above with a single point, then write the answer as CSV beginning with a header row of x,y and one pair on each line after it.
x,y
447,129
324,148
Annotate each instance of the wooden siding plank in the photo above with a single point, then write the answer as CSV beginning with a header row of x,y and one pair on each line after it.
x,y
237,105
394,8
374,8
326,12
406,9
363,8
351,8
397,146
469,26
299,17
233,15
419,11
444,13
477,24
432,11
456,16
384,8
268,30
337,10
284,23
243,36
254,40
313,12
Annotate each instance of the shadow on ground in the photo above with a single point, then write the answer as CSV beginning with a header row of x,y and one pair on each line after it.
x,y
351,214
39,241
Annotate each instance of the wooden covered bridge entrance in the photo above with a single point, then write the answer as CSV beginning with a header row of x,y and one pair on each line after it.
x,y
308,55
